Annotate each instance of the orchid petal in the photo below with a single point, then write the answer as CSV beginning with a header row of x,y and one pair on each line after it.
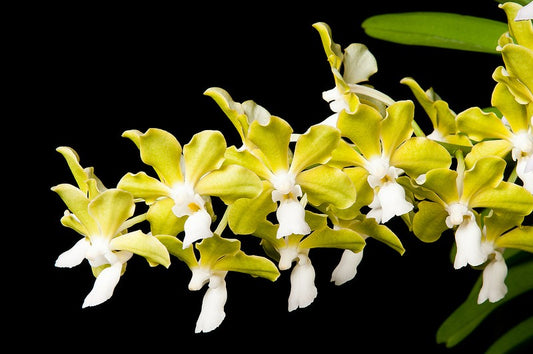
x,y
272,140
396,127
347,267
144,245
419,155
77,202
197,227
494,274
144,187
363,129
204,153
479,125
303,289
516,58
291,219
392,199
468,241
314,147
514,112
212,313
111,209
214,248
74,256
487,173
104,285
161,150
256,266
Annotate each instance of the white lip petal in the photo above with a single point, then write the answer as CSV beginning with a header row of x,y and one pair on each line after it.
x,y
392,199
73,256
468,241
212,313
347,267
494,274
303,289
104,285
291,219
197,227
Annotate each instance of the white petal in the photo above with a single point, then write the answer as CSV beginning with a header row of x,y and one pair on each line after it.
x,y
347,267
392,199
212,313
197,227
494,288
525,13
73,256
291,218
524,170
468,241
303,289
287,255
104,285
200,276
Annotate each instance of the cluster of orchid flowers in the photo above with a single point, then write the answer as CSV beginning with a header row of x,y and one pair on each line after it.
x,y
333,186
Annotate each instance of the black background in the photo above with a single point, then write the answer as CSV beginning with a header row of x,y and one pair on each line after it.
x,y
86,73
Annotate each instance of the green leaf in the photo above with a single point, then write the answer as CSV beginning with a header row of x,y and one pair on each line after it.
x,y
256,266
328,238
513,338
144,245
437,29
429,222
469,314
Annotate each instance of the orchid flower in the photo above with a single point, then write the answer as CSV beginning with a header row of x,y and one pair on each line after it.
x,y
189,177
525,13
387,150
358,65
497,137
217,257
102,218
296,248
452,197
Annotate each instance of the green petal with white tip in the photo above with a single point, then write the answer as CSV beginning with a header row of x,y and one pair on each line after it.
x,y
78,203
230,183
204,153
329,238
161,150
419,155
143,245
255,266
215,247
479,125
363,128
110,210
519,238
397,125
325,184
144,187
272,141
429,222
359,64
314,147
487,173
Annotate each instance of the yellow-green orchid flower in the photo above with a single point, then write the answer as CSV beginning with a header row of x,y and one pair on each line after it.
x,y
189,177
286,180
497,137
103,219
452,197
501,231
386,149
358,65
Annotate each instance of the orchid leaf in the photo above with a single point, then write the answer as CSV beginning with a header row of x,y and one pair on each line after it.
x,y
470,314
144,245
437,29
513,338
